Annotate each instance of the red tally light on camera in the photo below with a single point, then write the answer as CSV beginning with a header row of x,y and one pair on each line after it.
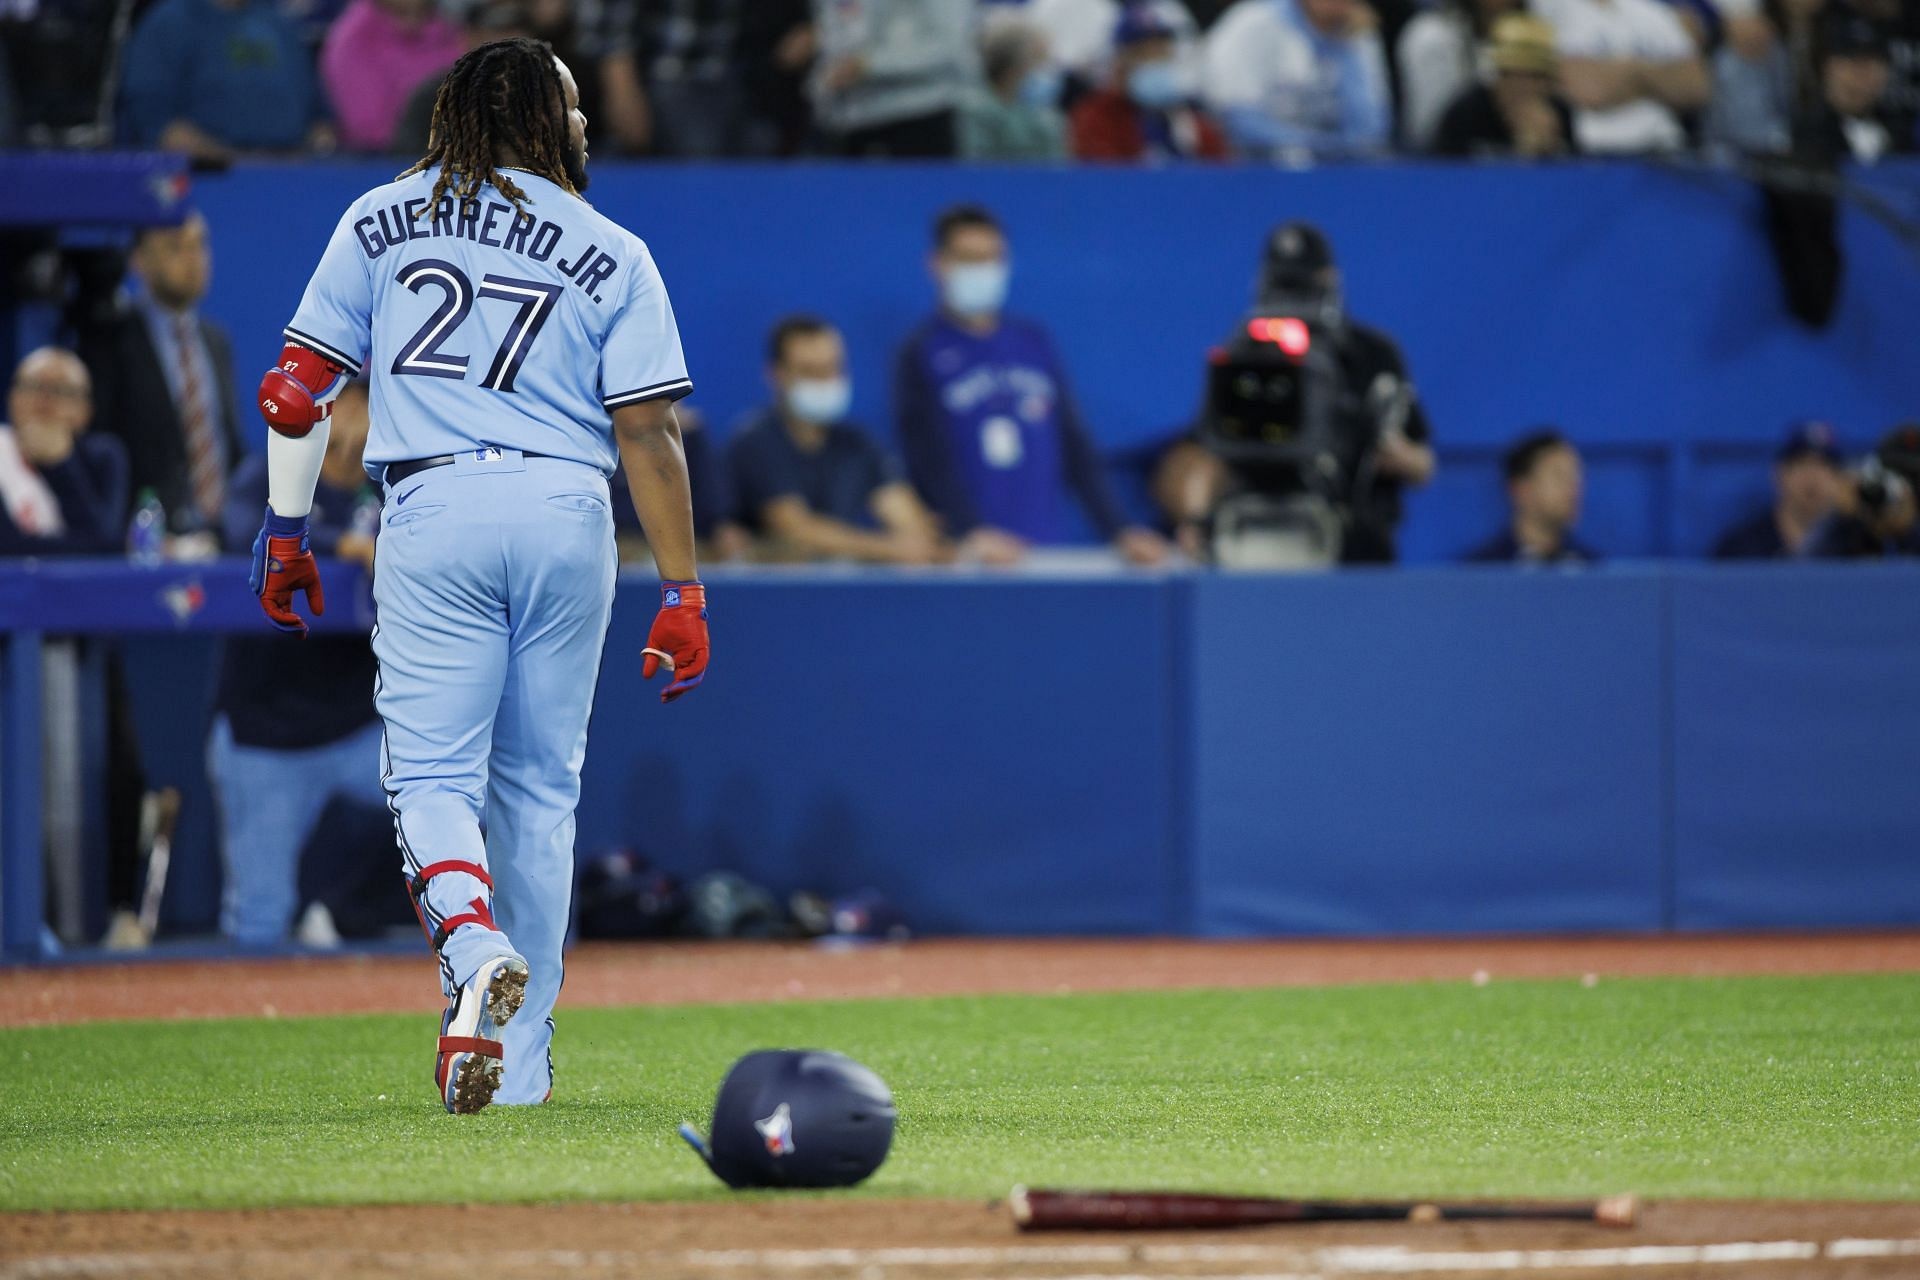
x,y
1286,333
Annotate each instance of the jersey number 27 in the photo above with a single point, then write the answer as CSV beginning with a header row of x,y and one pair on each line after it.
x,y
421,355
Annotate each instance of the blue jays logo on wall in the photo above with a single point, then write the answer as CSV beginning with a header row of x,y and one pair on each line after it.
x,y
168,189
777,1131
183,600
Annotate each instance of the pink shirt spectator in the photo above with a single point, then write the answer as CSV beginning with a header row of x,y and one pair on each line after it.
x,y
375,56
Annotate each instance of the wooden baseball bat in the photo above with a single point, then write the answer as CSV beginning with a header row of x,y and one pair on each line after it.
x,y
1035,1209
165,813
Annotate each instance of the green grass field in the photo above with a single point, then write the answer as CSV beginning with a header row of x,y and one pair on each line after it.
x,y
1803,1088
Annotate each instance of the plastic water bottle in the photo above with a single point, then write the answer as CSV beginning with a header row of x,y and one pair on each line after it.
x,y
147,531
366,515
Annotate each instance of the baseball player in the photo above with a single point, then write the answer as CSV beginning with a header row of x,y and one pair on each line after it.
x,y
517,340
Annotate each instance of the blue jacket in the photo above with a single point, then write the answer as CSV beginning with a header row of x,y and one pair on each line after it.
x,y
991,434
242,75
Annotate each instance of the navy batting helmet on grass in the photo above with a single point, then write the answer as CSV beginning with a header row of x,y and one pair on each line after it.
x,y
797,1118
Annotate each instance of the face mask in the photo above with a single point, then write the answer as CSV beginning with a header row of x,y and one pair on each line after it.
x,y
976,288
1154,85
1042,87
820,401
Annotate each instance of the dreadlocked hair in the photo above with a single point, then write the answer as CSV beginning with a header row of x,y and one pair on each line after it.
x,y
503,95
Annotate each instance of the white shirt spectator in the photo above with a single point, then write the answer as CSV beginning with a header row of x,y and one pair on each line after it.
x,y
1439,60
917,57
1280,85
1613,29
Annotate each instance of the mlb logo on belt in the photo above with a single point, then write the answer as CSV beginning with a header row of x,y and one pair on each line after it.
x,y
487,453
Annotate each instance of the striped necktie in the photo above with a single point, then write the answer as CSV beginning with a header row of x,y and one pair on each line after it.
x,y
203,448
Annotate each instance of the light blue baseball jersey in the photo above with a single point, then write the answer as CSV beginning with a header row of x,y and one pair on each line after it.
x,y
483,325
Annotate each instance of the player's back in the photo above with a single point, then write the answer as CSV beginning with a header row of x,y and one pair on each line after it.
x,y
483,324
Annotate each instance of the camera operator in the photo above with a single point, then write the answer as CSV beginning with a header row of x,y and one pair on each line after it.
x,y
1310,433
1877,513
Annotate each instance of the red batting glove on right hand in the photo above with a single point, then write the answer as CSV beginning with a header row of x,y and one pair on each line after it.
x,y
678,638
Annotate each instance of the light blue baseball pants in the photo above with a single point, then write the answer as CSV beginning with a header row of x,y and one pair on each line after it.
x,y
494,586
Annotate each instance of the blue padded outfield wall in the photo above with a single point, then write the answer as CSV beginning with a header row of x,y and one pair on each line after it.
x,y
1413,751
1428,753
1422,751
1636,306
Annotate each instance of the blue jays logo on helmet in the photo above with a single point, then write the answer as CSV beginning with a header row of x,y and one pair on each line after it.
x,y
777,1131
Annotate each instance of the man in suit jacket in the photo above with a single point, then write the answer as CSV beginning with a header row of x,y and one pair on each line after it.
x,y
162,384
163,380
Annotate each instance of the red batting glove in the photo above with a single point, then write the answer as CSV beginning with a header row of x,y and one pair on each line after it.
x,y
678,638
283,564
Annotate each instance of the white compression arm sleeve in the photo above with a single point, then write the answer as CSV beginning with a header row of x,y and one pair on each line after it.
x,y
293,468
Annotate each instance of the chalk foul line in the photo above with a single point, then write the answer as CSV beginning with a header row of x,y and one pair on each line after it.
x,y
1301,1263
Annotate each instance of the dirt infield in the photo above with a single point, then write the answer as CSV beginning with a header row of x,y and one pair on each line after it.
x,y
825,1239
694,973
931,1240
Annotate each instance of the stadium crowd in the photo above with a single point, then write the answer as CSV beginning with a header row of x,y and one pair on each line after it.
x,y
1146,81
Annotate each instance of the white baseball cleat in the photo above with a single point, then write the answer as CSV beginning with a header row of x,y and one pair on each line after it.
x,y
470,1056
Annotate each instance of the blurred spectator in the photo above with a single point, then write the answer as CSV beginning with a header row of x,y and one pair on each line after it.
x,y
1758,77
596,39
1520,113
811,481
55,63
776,52
1849,121
61,490
1018,117
1899,23
1807,484
1876,515
688,58
12,126
163,380
294,719
720,535
312,19
1439,54
1080,36
495,20
1631,70
992,437
1543,488
1144,112
1291,76
892,75
211,77
377,54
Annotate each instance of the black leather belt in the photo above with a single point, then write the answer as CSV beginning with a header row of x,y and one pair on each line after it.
x,y
398,471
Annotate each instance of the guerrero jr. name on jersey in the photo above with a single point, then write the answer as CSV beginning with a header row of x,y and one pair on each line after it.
x,y
490,222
